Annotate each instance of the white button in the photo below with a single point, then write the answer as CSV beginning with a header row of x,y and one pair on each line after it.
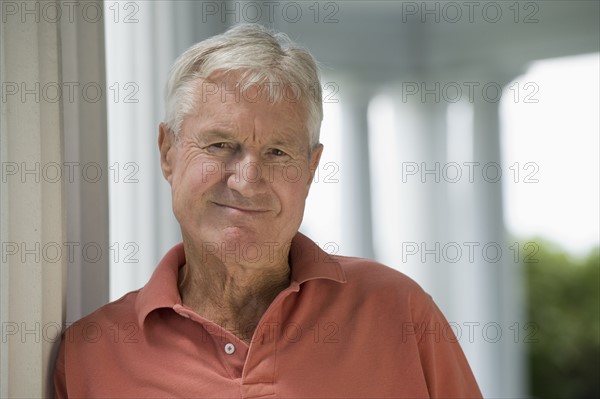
x,y
229,349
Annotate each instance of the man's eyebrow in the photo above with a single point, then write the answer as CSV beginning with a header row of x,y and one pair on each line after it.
x,y
285,143
287,137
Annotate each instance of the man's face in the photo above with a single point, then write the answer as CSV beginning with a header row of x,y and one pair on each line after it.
x,y
240,171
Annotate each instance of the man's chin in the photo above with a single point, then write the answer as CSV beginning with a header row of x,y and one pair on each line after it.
x,y
240,245
233,237
239,234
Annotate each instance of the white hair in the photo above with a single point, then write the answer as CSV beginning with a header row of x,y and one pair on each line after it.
x,y
260,56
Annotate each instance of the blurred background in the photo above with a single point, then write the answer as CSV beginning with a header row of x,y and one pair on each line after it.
x,y
461,148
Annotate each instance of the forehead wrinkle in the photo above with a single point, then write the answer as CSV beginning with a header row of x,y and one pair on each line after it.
x,y
287,130
254,128
217,134
202,125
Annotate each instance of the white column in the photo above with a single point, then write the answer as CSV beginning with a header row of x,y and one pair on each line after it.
x,y
33,214
500,298
407,140
475,227
85,146
357,229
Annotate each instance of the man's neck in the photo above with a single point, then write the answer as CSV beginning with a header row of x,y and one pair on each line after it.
x,y
232,295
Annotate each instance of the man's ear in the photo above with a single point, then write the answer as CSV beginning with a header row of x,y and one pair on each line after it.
x,y
166,143
315,157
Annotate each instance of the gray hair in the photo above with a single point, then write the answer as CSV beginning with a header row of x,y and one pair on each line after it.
x,y
261,56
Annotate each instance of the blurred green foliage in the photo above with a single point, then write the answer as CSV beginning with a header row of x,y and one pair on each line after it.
x,y
564,303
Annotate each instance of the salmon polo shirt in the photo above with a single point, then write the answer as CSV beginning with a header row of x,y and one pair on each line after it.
x,y
344,328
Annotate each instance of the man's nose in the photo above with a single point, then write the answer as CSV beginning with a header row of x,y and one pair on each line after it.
x,y
245,175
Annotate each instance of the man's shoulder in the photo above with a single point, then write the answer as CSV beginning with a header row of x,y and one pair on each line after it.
x,y
371,275
119,312
372,270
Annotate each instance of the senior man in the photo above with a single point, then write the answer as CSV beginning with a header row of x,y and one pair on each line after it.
x,y
246,306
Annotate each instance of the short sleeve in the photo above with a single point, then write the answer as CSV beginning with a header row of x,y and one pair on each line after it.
x,y
445,366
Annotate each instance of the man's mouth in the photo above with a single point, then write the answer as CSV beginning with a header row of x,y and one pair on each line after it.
x,y
247,209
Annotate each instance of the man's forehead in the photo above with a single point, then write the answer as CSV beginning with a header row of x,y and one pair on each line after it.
x,y
273,123
219,100
252,86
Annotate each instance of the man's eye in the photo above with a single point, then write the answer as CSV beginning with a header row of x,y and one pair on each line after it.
x,y
220,147
278,152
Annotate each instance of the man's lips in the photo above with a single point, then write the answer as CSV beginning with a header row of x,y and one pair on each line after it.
x,y
242,208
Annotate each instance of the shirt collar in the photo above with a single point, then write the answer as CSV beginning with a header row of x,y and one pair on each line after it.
x,y
307,261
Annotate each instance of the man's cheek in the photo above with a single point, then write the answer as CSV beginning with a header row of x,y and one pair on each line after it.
x,y
292,172
209,171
